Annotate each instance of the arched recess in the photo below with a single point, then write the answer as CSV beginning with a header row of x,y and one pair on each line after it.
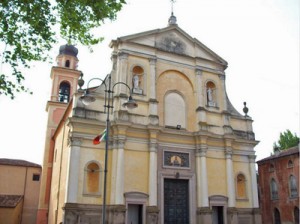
x,y
176,82
92,177
175,110
138,79
241,186
64,92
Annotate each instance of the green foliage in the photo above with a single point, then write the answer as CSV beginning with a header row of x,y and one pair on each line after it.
x,y
27,31
286,141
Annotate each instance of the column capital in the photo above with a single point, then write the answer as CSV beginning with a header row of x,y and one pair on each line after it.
x,y
152,61
252,158
222,76
228,152
202,150
74,141
123,55
198,71
153,146
119,142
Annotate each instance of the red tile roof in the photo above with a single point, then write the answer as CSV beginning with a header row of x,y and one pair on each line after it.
x,y
17,162
10,201
286,152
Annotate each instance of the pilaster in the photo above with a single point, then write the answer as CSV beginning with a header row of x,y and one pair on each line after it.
x,y
122,72
153,168
230,176
73,168
253,181
202,183
201,114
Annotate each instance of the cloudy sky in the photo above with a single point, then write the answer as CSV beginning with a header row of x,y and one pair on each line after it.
x,y
258,38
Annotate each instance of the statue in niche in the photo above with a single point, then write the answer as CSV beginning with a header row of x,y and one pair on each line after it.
x,y
136,81
136,84
210,100
209,95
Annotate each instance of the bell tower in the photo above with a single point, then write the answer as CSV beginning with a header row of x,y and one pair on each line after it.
x,y
65,78
65,75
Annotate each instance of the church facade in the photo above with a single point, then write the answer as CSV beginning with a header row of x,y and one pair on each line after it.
x,y
184,155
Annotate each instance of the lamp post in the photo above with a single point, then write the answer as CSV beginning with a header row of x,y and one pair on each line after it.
x,y
86,99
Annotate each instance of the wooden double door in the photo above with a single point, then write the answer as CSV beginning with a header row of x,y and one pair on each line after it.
x,y
176,201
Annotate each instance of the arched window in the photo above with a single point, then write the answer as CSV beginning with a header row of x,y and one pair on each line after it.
x,y
271,168
175,110
64,92
290,164
274,190
92,179
211,95
67,64
293,186
296,215
276,216
241,186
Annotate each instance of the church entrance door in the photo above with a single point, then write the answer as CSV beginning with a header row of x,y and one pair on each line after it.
x,y
176,201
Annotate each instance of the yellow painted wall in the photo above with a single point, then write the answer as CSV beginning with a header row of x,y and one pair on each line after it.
x,y
59,175
216,175
136,171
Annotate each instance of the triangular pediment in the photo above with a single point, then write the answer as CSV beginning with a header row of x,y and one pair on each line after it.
x,y
174,40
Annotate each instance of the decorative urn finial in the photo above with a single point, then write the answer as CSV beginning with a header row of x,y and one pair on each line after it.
x,y
245,109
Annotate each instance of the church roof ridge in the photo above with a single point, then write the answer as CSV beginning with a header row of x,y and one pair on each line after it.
x,y
165,29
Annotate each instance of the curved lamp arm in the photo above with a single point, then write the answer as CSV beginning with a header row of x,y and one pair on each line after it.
x,y
131,104
87,98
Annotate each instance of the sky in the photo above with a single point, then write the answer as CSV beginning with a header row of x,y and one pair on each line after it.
x,y
258,38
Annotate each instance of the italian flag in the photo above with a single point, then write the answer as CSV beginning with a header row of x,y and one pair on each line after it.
x,y
99,138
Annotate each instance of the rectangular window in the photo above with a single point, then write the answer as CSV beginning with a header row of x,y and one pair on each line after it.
x,y
36,177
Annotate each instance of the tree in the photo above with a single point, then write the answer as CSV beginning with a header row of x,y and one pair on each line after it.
x,y
27,31
286,140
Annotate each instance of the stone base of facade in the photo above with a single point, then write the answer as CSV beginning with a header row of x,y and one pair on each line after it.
x,y
233,216
116,214
152,215
248,216
204,215
92,214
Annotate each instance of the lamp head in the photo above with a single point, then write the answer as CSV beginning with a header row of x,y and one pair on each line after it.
x,y
130,104
87,98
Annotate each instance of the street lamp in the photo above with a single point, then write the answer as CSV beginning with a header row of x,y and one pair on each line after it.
x,y
86,99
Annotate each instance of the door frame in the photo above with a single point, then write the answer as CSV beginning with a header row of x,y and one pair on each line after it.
x,y
136,198
192,192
